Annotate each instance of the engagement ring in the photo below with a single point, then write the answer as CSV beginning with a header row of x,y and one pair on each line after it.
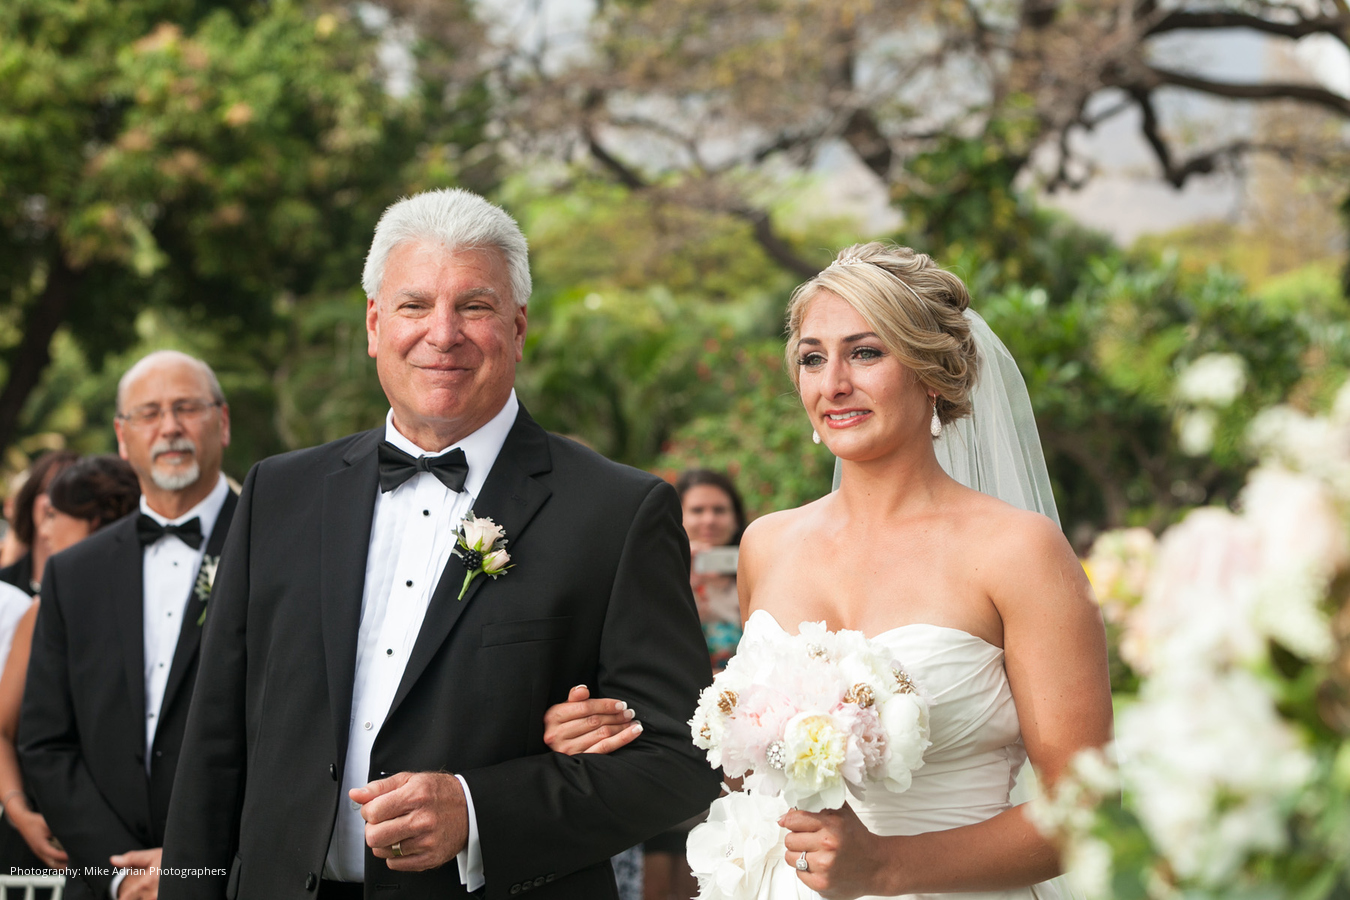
x,y
398,850
802,864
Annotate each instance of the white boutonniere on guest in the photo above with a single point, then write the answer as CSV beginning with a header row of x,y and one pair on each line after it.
x,y
206,577
481,544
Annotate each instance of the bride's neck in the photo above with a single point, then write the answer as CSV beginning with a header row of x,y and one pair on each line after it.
x,y
899,485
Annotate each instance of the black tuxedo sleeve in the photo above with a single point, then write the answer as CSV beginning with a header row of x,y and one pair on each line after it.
x,y
549,815
53,757
208,788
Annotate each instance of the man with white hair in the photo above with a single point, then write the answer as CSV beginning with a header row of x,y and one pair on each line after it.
x,y
115,647
368,718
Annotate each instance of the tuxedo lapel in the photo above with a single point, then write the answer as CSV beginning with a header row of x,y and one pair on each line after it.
x,y
510,497
348,512
190,633
126,576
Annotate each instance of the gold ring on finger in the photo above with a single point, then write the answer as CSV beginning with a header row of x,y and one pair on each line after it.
x,y
397,848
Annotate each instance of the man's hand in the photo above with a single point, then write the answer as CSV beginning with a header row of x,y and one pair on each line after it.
x,y
141,883
423,812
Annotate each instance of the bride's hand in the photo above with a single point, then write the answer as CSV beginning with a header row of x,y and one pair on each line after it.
x,y
583,725
845,859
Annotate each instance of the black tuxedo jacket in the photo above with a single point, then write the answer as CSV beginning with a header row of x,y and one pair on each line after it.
x,y
82,725
599,595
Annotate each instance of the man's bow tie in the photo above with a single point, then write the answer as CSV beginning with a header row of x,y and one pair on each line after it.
x,y
397,467
149,530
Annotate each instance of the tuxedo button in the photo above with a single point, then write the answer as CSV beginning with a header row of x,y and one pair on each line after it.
x,y
311,881
515,889
332,770
550,876
539,882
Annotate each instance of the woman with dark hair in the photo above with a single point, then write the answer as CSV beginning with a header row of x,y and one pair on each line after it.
x,y
714,519
85,496
29,507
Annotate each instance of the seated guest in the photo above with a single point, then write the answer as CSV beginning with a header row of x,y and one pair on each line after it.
x,y
84,497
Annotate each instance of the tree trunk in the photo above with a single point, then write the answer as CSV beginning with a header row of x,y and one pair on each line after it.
x,y
29,358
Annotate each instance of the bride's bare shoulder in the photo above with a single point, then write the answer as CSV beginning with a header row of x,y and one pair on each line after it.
x,y
771,530
773,534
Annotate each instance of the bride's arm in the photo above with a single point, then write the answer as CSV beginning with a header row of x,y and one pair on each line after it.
x,y
1055,656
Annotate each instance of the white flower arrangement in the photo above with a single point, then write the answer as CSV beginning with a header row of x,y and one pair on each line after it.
x,y
805,719
1223,775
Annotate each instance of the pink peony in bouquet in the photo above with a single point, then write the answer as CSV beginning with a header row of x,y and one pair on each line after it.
x,y
804,718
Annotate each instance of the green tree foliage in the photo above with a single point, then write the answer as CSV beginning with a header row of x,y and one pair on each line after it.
x,y
225,160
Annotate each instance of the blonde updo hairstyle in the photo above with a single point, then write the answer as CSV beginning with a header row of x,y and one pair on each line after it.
x,y
915,309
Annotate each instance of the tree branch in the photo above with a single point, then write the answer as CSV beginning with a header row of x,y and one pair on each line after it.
x,y
628,177
27,360
863,135
1305,93
777,249
1181,19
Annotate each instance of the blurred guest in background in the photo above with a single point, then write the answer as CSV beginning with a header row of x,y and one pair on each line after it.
x,y
84,497
129,601
714,518
11,548
29,506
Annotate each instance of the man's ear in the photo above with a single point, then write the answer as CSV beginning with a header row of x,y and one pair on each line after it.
x,y
522,322
372,326
118,425
224,424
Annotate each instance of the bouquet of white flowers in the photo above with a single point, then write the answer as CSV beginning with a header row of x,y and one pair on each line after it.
x,y
804,718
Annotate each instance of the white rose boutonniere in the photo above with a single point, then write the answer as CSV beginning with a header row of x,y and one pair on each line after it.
x,y
206,577
481,543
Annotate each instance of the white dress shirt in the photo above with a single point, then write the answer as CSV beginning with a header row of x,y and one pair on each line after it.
x,y
411,537
168,575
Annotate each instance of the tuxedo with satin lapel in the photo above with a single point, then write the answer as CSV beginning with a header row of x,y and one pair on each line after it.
x,y
599,595
83,721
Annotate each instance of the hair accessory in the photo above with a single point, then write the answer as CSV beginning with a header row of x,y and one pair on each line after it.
x,y
935,426
849,261
815,436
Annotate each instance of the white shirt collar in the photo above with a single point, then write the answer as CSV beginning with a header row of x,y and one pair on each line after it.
x,y
480,448
208,510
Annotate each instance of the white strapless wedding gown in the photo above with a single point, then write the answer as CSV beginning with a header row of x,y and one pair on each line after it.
x,y
973,762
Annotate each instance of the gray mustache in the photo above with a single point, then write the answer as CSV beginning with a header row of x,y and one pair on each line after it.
x,y
176,445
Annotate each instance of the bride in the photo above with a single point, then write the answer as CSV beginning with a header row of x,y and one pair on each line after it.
x,y
984,603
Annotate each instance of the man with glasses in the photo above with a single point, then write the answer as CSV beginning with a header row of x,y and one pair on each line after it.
x,y
115,647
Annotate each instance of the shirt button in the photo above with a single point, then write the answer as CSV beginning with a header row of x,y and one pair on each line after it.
x,y
366,726
425,512
355,805
389,652
170,615
150,716
409,582
161,665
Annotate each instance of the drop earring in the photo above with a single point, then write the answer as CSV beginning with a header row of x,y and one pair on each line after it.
x,y
815,436
935,426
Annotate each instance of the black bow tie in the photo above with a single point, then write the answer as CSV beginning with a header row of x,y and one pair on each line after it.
x,y
397,467
148,530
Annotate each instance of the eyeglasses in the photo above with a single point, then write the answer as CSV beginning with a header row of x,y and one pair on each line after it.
x,y
182,410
